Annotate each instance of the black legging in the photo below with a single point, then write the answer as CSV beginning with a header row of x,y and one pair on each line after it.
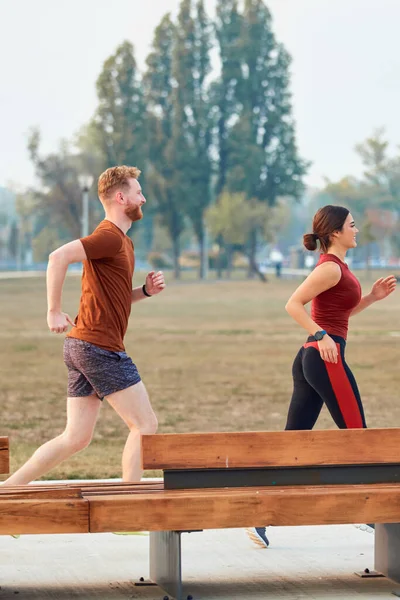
x,y
316,381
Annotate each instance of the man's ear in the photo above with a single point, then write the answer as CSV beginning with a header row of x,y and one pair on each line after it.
x,y
119,197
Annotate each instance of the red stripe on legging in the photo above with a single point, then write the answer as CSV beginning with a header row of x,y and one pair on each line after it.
x,y
343,390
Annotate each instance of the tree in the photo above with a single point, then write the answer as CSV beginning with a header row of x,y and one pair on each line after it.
x,y
375,198
224,91
382,173
26,208
232,218
16,218
349,192
192,128
118,130
263,157
224,95
162,170
13,240
380,185
59,200
265,124
119,124
44,243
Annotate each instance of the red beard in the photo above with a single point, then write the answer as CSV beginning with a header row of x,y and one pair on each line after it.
x,y
134,213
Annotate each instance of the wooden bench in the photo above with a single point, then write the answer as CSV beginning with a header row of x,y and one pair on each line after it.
x,y
4,455
221,480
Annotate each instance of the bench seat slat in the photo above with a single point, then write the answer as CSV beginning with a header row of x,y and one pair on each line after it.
x,y
50,494
43,516
4,456
241,507
79,484
271,448
60,490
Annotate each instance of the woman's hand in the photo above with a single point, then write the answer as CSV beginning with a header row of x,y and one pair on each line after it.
x,y
383,287
328,349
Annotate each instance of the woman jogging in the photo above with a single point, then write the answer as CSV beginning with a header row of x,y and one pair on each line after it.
x,y
320,373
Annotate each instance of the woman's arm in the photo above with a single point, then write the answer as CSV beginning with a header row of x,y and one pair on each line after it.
x,y
380,290
322,278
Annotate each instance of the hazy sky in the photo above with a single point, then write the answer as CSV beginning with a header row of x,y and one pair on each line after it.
x,y
345,71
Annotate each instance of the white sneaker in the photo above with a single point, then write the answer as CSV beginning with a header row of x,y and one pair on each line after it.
x,y
258,536
368,527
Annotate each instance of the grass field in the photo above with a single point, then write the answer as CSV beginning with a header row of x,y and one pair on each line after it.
x,y
214,356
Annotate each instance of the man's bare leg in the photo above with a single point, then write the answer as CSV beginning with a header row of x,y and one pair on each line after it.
x,y
133,406
81,419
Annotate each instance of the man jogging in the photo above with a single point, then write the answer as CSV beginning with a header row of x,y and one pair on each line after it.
x,y
94,353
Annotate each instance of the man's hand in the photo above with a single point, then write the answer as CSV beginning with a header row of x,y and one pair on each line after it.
x,y
383,287
155,283
58,321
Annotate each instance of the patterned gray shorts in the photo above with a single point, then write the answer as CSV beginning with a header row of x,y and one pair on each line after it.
x,y
92,369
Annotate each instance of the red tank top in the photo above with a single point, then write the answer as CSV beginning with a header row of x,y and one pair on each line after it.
x,y
331,309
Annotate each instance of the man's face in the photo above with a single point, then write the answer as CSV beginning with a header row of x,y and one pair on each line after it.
x,y
135,200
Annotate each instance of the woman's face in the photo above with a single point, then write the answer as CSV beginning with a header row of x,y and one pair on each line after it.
x,y
347,237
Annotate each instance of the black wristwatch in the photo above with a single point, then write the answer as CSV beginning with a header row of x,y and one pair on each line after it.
x,y
319,335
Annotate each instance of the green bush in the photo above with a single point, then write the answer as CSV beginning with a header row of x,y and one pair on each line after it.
x,y
159,260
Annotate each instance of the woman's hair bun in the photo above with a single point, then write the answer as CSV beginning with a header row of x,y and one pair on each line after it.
x,y
310,241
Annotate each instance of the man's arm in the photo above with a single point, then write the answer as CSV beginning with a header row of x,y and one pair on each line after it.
x,y
56,271
155,283
138,294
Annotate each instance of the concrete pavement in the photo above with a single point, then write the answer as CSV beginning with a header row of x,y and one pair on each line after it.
x,y
302,562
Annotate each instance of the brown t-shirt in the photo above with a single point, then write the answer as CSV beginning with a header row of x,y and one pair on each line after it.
x,y
106,298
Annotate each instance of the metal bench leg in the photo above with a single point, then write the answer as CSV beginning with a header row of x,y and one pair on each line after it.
x,y
166,561
387,550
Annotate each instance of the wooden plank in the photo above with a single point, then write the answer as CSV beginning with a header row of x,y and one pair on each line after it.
x,y
36,493
208,509
270,448
62,490
82,484
104,484
123,488
89,494
43,516
4,456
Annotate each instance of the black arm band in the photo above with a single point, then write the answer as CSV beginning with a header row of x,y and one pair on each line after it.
x,y
145,292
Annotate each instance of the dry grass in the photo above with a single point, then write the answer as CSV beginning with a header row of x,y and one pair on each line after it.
x,y
213,357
